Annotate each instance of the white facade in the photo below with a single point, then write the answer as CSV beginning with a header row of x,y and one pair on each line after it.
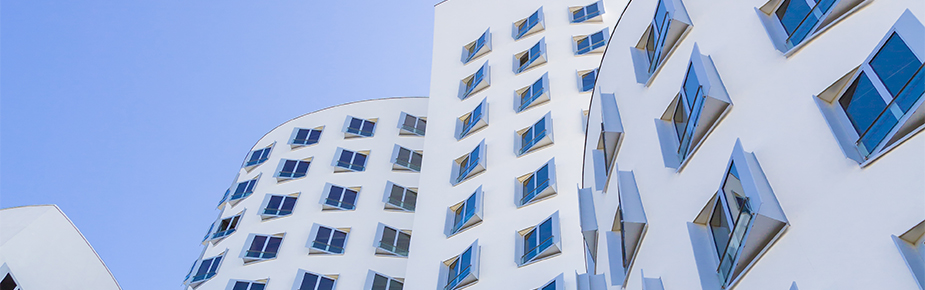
x,y
39,242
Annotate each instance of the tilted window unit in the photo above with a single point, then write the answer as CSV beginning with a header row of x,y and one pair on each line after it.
x,y
591,13
469,165
292,169
306,280
261,247
533,95
629,228
464,214
608,141
392,241
327,240
357,128
338,197
556,283
404,159
911,246
398,197
462,270
539,242
879,104
224,227
241,190
257,157
537,185
305,137
790,23
530,25
247,285
476,82
205,270
477,47
275,206
347,160
586,80
591,43
9,282
532,138
589,230
530,58
669,25
379,281
412,125
472,121
738,225
695,111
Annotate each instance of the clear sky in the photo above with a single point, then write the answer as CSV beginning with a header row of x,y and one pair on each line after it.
x,y
134,116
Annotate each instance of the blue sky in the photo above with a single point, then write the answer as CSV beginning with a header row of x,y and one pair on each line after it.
x,y
134,116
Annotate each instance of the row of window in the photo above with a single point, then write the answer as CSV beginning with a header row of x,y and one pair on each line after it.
x,y
529,139
533,57
345,160
306,280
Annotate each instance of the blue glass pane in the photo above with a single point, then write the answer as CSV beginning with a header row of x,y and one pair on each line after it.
x,y
315,134
273,245
720,228
355,123
803,30
324,234
368,126
215,262
660,15
465,258
258,286
204,267
680,119
257,244
791,13
530,241
862,103
592,9
895,64
913,91
346,156
241,285
288,204
302,168
338,239
877,132
359,159
274,202
578,15
350,196
691,84
308,281
550,286
289,166
542,174
302,134
545,230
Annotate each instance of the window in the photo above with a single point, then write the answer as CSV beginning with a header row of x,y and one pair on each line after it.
x,y
304,137
669,25
589,230
406,159
262,247
8,282
911,245
400,198
462,270
242,190
590,13
537,185
534,137
412,125
609,138
247,285
539,241
392,241
376,281
465,214
532,95
226,227
791,23
257,157
529,25
356,127
292,169
339,197
472,121
346,160
739,223
871,109
477,47
586,79
278,205
469,165
327,240
475,83
530,58
697,108
310,281
207,269
556,284
628,229
594,42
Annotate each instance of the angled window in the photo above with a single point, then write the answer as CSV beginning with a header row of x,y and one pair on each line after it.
x,y
695,111
790,23
225,227
608,142
306,280
555,284
379,281
257,157
205,270
629,227
911,245
462,270
537,185
339,197
304,137
594,42
327,240
292,169
530,58
590,13
240,191
540,241
469,165
535,94
247,285
278,205
9,282
586,80
589,229
530,25
392,241
537,136
356,127
464,214
412,125
472,121
404,159
401,198
476,82
261,247
739,223
669,25
477,47
346,160
879,104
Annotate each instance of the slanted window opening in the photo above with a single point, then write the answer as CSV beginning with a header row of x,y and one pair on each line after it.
x,y
477,47
207,268
464,214
241,191
537,185
792,23
347,160
405,159
262,247
462,270
470,164
9,282
628,230
339,197
589,13
530,58
472,121
586,80
594,42
257,157
474,83
530,25
377,281
312,281
537,136
278,205
540,241
669,25
226,227
305,137
292,169
248,285
532,95
393,241
400,198
412,125
327,240
358,128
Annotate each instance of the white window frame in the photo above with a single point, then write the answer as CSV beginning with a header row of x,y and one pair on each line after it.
x,y
536,98
679,24
450,227
469,273
391,249
295,133
552,250
266,203
313,235
466,90
340,168
533,61
521,149
265,153
358,134
387,197
282,163
547,192
300,275
465,126
468,55
767,13
327,193
250,240
629,228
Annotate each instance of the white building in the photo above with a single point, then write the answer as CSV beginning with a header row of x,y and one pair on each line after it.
x,y
40,248
541,175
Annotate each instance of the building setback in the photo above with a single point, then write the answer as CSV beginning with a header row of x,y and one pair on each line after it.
x,y
580,145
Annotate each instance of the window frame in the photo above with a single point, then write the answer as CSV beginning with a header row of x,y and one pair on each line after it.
x,y
391,249
282,164
472,52
402,165
535,143
458,174
559,283
628,230
535,98
581,80
387,197
295,134
341,168
371,277
465,126
468,273
767,13
313,237
248,191
451,227
911,246
470,85
404,130
554,247
539,194
232,227
300,276
5,271
264,206
350,132
251,283
599,17
520,33
326,195
676,25
533,60
193,282
265,153
600,45
248,244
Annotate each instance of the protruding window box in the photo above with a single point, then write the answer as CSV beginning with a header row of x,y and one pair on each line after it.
x,y
261,247
791,24
530,58
473,121
533,95
668,27
532,138
404,159
476,82
224,228
400,198
464,214
358,128
591,13
462,270
350,161
292,169
537,185
338,197
257,157
591,282
539,242
324,240
206,269
469,165
608,142
275,206
591,43
412,125
629,228
391,241
304,137
589,228
528,26
911,245
586,80
477,48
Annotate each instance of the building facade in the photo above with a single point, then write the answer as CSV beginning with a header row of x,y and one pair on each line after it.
x,y
658,144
